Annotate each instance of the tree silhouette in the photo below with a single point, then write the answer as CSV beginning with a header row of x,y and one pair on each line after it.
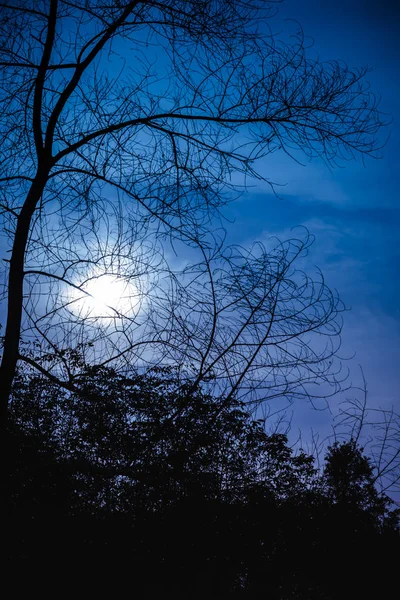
x,y
130,123
349,477
140,438
205,505
378,431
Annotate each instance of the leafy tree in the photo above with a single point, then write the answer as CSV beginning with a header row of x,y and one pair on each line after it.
x,y
350,479
129,123
187,496
378,431
140,438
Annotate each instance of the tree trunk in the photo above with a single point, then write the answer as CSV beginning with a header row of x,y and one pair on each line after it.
x,y
15,291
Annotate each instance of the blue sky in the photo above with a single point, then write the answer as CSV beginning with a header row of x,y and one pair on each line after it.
x,y
353,211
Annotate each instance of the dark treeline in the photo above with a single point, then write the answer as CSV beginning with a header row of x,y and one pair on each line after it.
x,y
141,483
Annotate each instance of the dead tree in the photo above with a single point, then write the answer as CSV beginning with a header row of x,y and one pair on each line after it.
x,y
146,114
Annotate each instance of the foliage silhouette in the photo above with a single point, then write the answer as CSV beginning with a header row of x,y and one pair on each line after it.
x,y
190,501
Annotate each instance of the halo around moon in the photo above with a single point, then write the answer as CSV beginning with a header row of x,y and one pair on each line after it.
x,y
105,297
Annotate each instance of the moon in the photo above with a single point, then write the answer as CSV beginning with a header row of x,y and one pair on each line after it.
x,y
106,297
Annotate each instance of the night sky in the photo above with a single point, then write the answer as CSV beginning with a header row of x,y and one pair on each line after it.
x,y
175,401
353,210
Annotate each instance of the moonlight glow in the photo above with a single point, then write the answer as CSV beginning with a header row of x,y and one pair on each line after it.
x,y
106,296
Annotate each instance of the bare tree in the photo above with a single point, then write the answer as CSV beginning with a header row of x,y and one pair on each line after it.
x,y
127,123
377,430
246,322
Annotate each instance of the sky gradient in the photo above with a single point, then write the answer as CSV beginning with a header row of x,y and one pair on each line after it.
x,y
353,211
